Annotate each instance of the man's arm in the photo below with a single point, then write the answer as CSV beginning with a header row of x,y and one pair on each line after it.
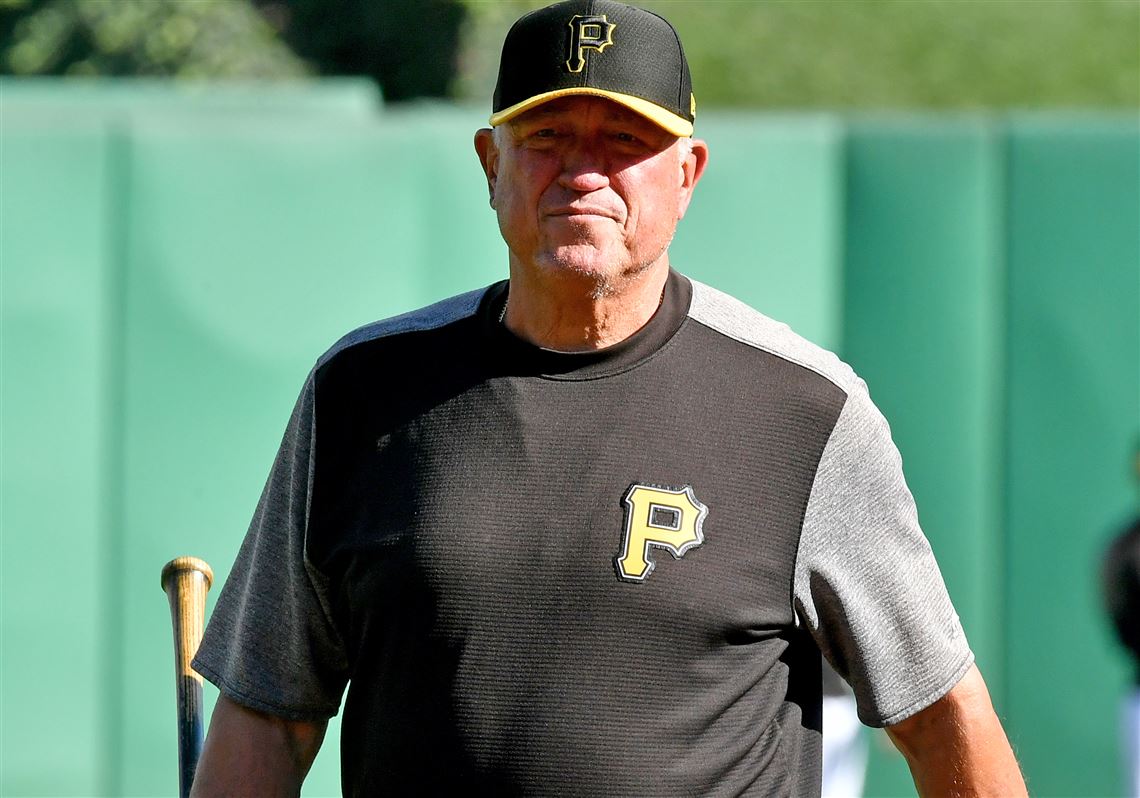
x,y
956,746
250,753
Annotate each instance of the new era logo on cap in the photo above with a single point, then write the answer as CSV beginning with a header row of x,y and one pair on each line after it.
x,y
601,48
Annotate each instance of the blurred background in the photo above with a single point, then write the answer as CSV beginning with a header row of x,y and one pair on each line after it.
x,y
197,198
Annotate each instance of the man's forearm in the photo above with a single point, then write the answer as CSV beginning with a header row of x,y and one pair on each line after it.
x,y
250,753
957,747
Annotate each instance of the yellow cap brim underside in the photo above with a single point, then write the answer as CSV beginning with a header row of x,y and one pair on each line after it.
x,y
676,125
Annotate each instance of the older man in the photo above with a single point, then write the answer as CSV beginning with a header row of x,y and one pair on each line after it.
x,y
468,521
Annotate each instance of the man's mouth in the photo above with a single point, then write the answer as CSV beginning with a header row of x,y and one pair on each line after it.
x,y
582,213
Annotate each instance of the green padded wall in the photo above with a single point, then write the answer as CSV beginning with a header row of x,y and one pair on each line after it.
x,y
58,460
767,221
103,98
924,328
1073,418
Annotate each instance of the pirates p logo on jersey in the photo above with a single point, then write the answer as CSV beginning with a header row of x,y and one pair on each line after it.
x,y
588,33
657,517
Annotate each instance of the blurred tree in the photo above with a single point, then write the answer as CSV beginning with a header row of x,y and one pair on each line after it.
x,y
754,53
408,46
201,39
877,53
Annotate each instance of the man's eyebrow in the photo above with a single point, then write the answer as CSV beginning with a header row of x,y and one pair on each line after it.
x,y
616,113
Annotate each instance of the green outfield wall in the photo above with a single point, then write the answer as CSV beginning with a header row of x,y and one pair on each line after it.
x,y
172,262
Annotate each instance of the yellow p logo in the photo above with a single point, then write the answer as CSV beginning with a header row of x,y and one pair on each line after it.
x,y
660,517
588,33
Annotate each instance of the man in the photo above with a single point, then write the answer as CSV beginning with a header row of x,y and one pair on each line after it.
x,y
469,517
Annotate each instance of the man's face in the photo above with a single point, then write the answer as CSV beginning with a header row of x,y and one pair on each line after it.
x,y
586,186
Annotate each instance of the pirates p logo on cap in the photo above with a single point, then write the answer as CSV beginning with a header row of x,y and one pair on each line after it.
x,y
588,33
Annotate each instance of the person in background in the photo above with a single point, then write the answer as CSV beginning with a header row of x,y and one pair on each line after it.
x,y
1121,578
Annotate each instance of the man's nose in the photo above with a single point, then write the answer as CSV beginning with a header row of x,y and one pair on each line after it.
x,y
584,167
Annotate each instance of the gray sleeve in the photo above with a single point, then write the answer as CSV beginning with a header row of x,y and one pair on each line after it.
x,y
866,583
271,644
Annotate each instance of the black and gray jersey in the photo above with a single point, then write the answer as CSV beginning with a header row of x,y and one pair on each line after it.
x,y
602,573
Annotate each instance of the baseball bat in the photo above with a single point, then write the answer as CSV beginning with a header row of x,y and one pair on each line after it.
x,y
185,581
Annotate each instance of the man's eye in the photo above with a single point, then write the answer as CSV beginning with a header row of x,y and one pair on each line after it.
x,y
626,138
545,133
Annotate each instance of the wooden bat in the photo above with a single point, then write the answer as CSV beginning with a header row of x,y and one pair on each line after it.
x,y
185,581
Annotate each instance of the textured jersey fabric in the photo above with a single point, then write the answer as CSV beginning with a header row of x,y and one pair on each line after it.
x,y
593,573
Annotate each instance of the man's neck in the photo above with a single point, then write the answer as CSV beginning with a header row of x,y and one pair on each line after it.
x,y
562,312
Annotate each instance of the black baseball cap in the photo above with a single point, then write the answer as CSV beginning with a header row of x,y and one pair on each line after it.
x,y
598,48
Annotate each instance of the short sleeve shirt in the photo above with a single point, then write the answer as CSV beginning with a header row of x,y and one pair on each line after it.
x,y
601,573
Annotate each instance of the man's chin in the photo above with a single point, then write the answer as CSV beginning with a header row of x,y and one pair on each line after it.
x,y
603,271
583,261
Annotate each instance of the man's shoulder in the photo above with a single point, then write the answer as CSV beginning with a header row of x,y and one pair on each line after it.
x,y
431,317
734,319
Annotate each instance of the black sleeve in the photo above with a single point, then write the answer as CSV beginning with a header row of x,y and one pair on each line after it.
x,y
271,643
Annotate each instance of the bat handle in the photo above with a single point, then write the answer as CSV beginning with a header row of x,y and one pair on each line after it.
x,y
185,580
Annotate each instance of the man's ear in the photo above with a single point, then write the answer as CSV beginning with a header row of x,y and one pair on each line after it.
x,y
691,170
489,158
